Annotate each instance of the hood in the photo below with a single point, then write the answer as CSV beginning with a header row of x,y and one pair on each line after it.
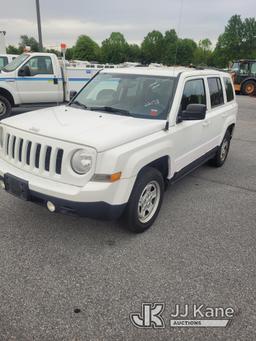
x,y
101,131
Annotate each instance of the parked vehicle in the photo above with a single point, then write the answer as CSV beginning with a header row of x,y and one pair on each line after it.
x,y
6,59
40,78
113,149
244,76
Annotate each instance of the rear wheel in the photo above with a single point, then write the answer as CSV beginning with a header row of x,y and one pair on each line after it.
x,y
249,88
222,151
145,201
5,107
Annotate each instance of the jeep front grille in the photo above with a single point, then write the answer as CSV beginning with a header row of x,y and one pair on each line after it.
x,y
35,155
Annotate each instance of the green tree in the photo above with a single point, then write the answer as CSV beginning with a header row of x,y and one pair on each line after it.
x,y
152,47
237,42
58,54
115,48
203,52
249,38
185,51
86,49
134,53
70,53
170,46
28,41
12,50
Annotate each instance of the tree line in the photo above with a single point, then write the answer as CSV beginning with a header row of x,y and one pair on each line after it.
x,y
238,41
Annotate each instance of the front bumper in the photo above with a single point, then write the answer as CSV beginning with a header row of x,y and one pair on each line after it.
x,y
99,210
95,199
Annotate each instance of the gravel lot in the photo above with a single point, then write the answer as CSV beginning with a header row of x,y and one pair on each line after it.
x,y
201,250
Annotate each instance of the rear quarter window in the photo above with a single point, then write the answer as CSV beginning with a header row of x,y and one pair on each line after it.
x,y
229,89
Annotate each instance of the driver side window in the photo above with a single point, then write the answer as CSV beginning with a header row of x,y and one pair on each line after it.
x,y
40,65
194,93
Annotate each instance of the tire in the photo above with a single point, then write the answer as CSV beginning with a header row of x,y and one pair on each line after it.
x,y
222,152
249,88
5,108
136,217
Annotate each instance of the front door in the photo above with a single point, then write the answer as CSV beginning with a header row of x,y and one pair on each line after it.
x,y
189,137
37,81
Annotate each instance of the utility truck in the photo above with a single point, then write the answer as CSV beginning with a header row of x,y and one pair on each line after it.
x,y
114,148
40,78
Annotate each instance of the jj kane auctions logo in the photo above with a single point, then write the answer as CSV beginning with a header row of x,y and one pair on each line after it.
x,y
182,316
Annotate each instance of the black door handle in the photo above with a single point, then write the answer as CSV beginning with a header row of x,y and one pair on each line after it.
x,y
55,81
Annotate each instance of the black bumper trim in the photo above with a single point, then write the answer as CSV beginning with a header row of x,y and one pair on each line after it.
x,y
97,210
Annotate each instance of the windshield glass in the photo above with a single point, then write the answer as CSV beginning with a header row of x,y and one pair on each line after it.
x,y
125,94
15,63
235,67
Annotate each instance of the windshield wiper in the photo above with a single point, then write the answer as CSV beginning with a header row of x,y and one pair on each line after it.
x,y
79,104
112,109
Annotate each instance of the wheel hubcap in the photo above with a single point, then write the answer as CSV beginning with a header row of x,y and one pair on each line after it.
x,y
2,108
149,201
224,150
250,89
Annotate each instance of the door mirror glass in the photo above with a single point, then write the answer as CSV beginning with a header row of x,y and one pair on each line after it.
x,y
193,112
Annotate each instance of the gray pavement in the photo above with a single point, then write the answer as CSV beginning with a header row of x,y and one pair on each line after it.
x,y
201,250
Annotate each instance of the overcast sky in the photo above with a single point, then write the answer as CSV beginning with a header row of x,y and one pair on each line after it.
x,y
65,20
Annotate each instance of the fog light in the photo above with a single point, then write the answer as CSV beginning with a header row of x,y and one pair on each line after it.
x,y
2,185
51,207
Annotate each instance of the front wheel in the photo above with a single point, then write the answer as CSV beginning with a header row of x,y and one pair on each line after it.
x,y
5,108
249,88
145,200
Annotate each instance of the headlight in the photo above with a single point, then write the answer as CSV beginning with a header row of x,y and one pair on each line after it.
x,y
1,137
81,162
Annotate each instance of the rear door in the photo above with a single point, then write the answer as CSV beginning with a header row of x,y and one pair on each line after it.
x,y
216,111
42,85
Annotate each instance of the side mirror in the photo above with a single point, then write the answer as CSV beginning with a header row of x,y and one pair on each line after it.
x,y
72,94
193,112
24,71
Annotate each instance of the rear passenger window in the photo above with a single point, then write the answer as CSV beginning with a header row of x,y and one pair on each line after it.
x,y
216,91
229,89
194,93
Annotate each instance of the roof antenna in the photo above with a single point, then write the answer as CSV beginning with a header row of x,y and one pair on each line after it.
x,y
178,30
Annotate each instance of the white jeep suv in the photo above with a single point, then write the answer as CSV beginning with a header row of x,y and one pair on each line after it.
x,y
113,149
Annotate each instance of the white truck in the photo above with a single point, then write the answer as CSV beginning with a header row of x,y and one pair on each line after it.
x,y
114,148
39,78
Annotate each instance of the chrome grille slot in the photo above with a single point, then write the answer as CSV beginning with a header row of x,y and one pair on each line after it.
x,y
28,152
37,157
7,144
59,161
13,147
47,158
20,150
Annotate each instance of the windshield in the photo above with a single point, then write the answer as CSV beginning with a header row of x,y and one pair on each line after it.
x,y
15,63
125,94
235,67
